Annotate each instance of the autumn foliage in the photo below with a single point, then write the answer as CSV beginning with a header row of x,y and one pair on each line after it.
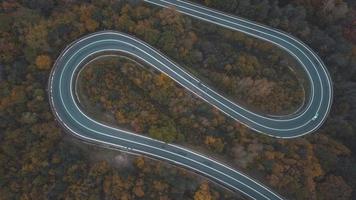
x,y
39,161
43,62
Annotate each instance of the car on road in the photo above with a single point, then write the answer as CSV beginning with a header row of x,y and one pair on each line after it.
x,y
315,117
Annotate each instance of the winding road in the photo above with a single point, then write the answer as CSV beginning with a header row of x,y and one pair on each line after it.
x,y
64,102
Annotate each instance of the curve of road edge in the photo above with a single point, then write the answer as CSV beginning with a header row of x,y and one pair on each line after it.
x,y
63,100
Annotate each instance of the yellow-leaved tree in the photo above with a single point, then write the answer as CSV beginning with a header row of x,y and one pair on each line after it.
x,y
43,62
203,193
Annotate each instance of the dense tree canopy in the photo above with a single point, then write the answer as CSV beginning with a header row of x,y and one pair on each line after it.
x,y
38,162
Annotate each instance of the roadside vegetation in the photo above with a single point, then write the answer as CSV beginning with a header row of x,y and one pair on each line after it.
x,y
37,162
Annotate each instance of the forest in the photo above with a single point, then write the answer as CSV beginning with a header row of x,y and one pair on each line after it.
x,y
38,160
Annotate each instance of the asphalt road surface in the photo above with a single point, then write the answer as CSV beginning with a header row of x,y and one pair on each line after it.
x,y
64,102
